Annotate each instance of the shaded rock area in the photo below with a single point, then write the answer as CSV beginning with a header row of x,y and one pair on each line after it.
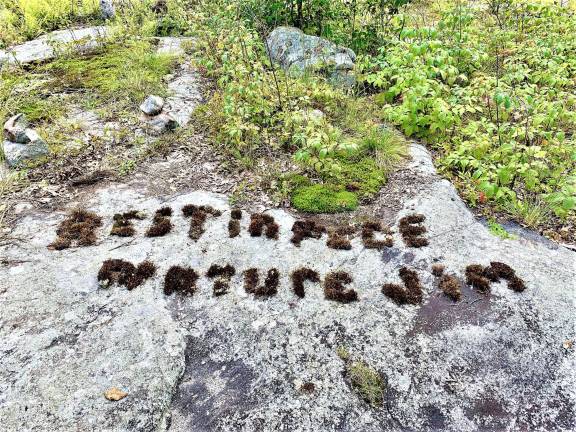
x,y
296,51
48,46
492,361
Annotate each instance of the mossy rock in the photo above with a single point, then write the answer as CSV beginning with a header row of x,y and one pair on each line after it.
x,y
323,199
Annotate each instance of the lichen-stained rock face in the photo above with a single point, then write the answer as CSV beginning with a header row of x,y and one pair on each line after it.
x,y
296,51
237,361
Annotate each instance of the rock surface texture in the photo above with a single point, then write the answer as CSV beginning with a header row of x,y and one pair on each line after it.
x,y
237,362
47,47
107,9
152,105
296,51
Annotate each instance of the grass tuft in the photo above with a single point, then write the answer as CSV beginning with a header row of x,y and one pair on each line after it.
x,y
366,380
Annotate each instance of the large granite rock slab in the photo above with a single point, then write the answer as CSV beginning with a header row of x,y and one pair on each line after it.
x,y
496,361
48,46
296,51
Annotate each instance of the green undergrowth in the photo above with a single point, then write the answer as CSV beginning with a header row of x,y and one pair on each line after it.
x,y
499,231
257,110
122,74
21,20
119,76
492,89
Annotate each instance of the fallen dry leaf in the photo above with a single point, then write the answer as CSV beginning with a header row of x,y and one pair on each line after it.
x,y
568,344
115,394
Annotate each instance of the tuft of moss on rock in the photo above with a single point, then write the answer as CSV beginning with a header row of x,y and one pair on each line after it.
x,y
363,378
323,199
367,382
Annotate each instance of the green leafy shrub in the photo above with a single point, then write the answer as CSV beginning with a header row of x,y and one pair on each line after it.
x,y
323,199
258,109
496,97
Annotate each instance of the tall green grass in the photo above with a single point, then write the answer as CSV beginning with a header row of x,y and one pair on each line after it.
x,y
21,20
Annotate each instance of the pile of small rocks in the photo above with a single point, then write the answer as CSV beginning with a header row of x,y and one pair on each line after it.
x,y
21,143
156,117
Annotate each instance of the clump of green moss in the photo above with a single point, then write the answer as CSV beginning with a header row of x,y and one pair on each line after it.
x,y
366,380
125,72
361,175
324,199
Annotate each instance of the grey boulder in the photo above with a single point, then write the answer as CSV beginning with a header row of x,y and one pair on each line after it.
x,y
107,9
161,123
17,154
152,105
296,51
21,143
15,129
